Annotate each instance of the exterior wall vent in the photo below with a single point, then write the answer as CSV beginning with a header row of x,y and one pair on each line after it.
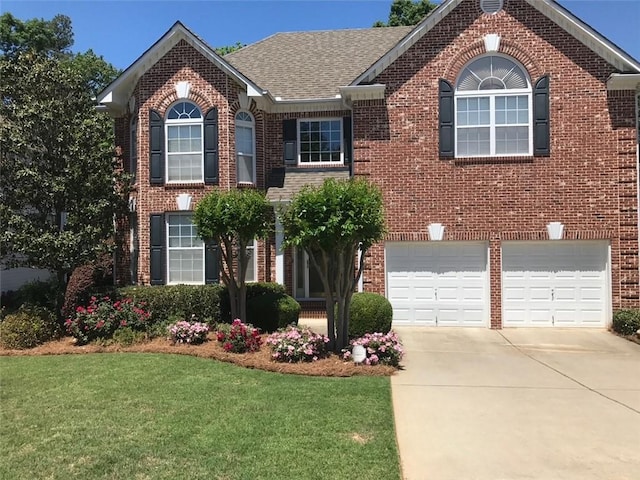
x,y
491,6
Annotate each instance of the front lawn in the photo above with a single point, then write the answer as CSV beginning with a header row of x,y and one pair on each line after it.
x,y
155,416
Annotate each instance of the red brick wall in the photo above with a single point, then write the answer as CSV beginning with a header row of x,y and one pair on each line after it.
x,y
588,182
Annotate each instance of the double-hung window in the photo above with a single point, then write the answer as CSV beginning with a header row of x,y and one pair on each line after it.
x,y
320,141
493,105
245,148
133,148
185,250
184,143
252,264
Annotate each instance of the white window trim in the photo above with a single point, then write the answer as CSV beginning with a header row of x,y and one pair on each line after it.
x,y
133,149
183,122
252,125
169,249
324,119
492,94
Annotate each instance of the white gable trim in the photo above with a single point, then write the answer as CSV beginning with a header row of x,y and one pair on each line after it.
x,y
551,9
115,96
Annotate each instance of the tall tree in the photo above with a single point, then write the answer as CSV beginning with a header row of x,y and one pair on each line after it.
x,y
233,220
61,186
406,13
331,223
222,51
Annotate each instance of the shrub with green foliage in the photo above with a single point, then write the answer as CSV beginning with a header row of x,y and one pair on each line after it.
x,y
626,322
165,301
39,293
254,289
239,337
27,328
273,311
370,313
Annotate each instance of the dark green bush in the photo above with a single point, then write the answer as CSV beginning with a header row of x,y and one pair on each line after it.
x,y
272,311
38,293
370,313
254,290
626,322
164,301
27,328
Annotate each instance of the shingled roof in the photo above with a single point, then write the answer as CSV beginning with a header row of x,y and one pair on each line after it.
x,y
306,65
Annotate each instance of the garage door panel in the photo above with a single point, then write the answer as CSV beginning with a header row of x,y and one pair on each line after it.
x,y
551,283
444,283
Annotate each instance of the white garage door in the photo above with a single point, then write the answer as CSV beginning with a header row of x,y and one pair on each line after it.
x,y
438,284
559,283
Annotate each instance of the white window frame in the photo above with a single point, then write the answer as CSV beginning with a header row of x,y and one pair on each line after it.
x,y
492,95
170,249
133,148
253,248
252,126
180,122
327,119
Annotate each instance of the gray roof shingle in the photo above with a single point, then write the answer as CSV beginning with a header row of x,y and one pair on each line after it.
x,y
283,183
305,65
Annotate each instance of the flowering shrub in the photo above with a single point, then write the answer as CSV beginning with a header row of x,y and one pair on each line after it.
x,y
193,333
102,317
295,344
381,348
239,337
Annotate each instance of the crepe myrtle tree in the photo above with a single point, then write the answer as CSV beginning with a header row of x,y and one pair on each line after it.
x,y
234,219
331,223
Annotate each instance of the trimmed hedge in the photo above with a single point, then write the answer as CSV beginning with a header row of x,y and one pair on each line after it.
x,y
272,311
165,301
626,322
370,313
27,328
254,290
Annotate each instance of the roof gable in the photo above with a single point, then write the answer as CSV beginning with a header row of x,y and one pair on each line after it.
x,y
115,96
550,8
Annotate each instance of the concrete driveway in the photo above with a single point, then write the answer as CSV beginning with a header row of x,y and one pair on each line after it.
x,y
517,404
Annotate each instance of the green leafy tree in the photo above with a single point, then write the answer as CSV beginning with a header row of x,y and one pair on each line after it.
x,y
222,51
234,219
406,13
331,223
61,187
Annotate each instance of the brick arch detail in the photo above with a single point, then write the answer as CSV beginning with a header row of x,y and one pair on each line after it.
x,y
195,96
476,49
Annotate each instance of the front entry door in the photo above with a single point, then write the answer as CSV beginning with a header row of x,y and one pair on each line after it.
x,y
308,283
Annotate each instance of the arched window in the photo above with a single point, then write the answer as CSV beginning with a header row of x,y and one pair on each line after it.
x,y
245,148
184,143
493,109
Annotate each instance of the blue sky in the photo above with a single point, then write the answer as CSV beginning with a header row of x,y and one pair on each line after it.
x,y
121,31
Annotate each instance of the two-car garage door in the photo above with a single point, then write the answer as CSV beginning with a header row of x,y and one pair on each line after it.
x,y
544,283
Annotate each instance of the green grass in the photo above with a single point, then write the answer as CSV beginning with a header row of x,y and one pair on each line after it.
x,y
153,416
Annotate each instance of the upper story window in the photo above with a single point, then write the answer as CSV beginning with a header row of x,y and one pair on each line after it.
x,y
320,141
184,134
245,148
493,109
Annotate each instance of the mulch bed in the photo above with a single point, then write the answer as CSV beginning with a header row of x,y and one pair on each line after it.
x,y
333,366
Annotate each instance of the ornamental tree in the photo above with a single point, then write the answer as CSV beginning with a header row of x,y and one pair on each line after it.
x,y
331,223
61,187
234,219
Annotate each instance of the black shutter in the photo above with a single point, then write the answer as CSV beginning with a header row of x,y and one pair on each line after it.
x,y
211,273
347,140
211,176
157,241
447,126
290,141
156,148
541,117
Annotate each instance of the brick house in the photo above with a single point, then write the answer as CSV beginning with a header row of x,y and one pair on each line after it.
x,y
503,134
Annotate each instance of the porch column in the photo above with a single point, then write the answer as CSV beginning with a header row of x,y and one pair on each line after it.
x,y
279,252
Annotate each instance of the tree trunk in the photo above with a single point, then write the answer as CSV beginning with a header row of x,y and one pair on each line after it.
x,y
61,277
